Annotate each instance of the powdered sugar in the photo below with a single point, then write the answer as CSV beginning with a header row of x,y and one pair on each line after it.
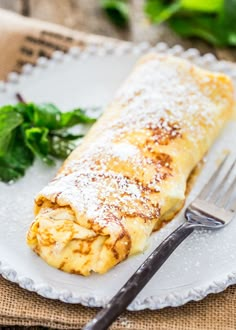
x,y
159,102
124,150
156,90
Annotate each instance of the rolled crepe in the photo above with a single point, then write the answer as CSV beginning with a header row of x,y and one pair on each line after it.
x,y
130,172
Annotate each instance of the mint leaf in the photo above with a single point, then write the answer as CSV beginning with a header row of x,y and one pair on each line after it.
x,y
212,21
63,134
9,120
40,115
45,115
16,159
25,110
160,11
60,147
117,11
74,117
226,23
29,130
205,6
37,141
201,27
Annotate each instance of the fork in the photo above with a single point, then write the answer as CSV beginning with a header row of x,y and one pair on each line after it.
x,y
213,208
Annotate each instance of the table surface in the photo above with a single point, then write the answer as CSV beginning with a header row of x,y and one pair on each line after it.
x,y
86,15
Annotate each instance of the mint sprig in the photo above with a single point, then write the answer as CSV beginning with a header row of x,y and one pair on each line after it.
x,y
211,20
29,130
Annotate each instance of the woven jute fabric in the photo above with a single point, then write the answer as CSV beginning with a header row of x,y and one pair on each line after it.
x,y
23,41
20,307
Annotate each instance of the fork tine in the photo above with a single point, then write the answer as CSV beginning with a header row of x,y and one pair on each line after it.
x,y
228,195
209,185
219,189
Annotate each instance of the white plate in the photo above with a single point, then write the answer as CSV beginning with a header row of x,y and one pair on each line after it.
x,y
204,263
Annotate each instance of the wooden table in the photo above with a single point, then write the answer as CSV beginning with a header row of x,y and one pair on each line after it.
x,y
86,15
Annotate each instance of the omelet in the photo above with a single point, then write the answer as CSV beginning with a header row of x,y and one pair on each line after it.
x,y
130,173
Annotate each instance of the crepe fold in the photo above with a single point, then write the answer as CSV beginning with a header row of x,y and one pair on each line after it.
x,y
130,172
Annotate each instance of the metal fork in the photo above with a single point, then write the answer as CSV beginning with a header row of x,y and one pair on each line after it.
x,y
213,208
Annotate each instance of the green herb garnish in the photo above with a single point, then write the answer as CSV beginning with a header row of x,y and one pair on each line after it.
x,y
117,11
211,20
29,130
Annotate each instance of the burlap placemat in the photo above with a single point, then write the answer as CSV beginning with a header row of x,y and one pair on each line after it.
x,y
23,41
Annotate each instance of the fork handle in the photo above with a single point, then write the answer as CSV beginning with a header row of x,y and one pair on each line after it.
x,y
139,279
